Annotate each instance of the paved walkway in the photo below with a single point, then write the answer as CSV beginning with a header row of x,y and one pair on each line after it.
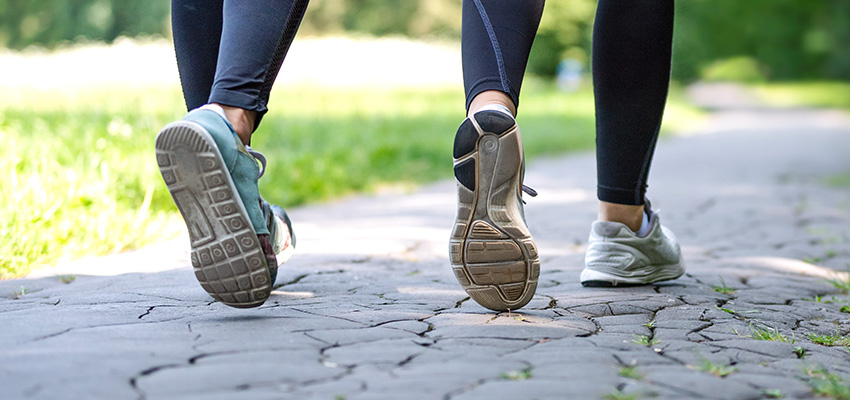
x,y
369,308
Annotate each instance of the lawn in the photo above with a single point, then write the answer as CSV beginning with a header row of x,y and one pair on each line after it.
x,y
818,94
81,178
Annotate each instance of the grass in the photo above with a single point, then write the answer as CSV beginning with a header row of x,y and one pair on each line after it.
x,y
842,285
80,177
722,288
772,393
617,394
644,340
518,375
768,333
818,94
630,371
826,384
829,340
718,370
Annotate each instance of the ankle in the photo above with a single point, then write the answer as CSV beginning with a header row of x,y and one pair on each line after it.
x,y
242,121
490,98
629,215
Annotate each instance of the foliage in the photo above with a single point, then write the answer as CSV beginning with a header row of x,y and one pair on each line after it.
x,y
50,22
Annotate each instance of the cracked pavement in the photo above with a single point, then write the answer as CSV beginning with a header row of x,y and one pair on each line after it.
x,y
369,309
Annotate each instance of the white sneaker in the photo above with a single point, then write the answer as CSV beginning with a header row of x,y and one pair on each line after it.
x,y
616,256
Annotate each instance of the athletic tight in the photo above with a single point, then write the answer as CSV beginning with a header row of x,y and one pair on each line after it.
x,y
632,42
254,35
631,66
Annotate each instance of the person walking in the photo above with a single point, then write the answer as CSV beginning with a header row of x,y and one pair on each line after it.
x,y
492,252
228,55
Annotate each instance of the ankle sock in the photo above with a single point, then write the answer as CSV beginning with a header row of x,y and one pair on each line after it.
x,y
496,107
644,226
214,107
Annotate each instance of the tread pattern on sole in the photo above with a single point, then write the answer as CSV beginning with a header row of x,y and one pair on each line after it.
x,y
226,255
492,253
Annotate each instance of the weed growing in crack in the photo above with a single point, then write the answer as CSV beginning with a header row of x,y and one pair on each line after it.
x,y
735,312
843,285
650,324
800,352
825,384
769,333
644,340
519,375
339,397
618,394
630,371
718,370
844,309
772,393
20,293
829,340
722,289
67,278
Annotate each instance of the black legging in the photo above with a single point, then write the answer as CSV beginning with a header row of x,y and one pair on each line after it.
x,y
632,42
255,35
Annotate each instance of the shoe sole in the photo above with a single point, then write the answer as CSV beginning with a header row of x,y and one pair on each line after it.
x,y
492,253
593,278
226,255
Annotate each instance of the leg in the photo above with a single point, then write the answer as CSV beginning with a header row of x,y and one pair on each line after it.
x,y
237,238
493,255
196,27
631,72
255,38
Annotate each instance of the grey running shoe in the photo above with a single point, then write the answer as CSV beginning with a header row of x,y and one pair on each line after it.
x,y
237,238
616,256
492,253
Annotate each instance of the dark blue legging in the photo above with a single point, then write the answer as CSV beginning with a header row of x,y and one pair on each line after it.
x,y
631,66
253,34
632,42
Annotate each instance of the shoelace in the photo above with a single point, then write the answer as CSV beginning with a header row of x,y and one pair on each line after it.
x,y
262,159
529,191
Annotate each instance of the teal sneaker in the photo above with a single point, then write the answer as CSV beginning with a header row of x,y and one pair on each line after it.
x,y
237,238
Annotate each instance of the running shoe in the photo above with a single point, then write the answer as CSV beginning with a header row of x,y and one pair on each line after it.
x,y
237,239
617,256
492,253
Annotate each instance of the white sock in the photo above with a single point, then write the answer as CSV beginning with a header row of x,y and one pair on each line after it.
x,y
496,107
213,107
644,226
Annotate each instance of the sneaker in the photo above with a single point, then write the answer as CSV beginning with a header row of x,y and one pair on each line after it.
x,y
235,235
492,253
616,256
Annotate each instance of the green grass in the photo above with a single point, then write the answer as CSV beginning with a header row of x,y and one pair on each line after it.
x,y
823,94
519,375
718,370
80,177
630,371
722,288
826,384
618,394
841,284
769,333
645,340
829,340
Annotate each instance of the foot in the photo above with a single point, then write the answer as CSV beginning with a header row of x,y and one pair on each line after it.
x,y
617,256
492,253
235,235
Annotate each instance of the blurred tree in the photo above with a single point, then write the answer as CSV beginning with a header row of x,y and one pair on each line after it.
x,y
773,39
49,22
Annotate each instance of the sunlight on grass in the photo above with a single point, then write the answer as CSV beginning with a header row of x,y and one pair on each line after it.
x,y
81,178
805,94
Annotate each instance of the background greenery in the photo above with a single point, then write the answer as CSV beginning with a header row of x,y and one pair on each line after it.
x,y
80,179
752,40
